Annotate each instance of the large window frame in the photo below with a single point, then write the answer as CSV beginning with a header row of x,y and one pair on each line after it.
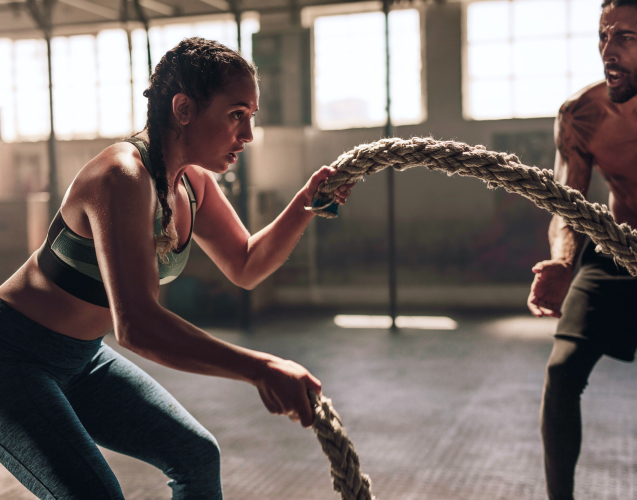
x,y
573,81
309,15
122,82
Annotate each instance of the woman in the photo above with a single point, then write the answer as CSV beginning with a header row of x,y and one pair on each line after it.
x,y
125,224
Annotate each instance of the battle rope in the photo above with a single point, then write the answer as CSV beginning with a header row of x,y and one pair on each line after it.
x,y
347,477
497,169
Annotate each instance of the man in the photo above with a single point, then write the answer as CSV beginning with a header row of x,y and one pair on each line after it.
x,y
596,128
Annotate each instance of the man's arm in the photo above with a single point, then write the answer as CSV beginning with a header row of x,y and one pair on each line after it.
x,y
574,127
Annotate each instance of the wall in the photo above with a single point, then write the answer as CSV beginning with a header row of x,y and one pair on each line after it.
x,y
458,243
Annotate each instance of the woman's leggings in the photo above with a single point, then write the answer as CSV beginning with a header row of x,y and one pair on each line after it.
x,y
571,362
60,397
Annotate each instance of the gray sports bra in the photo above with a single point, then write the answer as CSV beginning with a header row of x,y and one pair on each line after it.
x,y
70,261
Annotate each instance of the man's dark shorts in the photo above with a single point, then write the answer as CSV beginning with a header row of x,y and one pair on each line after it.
x,y
600,306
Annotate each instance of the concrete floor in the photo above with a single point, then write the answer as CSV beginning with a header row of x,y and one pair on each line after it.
x,y
434,415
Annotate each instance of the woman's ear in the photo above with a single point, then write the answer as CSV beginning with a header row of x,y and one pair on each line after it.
x,y
183,108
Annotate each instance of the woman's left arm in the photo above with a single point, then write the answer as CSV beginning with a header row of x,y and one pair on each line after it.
x,y
248,259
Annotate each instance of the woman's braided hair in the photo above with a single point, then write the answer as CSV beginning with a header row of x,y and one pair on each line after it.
x,y
198,68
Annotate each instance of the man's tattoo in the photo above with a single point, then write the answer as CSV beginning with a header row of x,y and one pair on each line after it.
x,y
578,121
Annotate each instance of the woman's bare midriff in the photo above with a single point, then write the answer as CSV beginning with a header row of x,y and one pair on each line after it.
x,y
34,295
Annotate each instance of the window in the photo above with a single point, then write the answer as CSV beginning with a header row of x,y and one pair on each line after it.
x,y
523,58
350,72
92,79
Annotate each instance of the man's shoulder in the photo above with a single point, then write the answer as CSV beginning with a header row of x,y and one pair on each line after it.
x,y
587,99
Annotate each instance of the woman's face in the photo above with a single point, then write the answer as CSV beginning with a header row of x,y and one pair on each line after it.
x,y
219,131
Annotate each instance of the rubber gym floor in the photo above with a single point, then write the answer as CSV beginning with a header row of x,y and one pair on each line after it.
x,y
434,415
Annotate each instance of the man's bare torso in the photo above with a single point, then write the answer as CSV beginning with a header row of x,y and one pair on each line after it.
x,y
606,133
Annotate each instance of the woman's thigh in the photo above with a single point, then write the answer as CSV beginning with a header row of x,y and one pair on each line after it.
x,y
127,411
42,442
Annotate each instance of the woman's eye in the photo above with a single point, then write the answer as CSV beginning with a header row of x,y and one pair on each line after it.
x,y
238,115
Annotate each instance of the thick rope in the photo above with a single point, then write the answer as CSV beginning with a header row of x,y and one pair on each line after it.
x,y
347,477
498,170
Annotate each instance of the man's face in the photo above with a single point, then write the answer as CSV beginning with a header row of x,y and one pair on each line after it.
x,y
618,48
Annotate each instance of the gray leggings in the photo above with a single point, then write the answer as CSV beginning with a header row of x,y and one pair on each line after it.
x,y
571,362
60,396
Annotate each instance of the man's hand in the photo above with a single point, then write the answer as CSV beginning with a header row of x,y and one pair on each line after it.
x,y
549,288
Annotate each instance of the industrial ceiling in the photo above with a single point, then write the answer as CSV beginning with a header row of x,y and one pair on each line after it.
x,y
81,16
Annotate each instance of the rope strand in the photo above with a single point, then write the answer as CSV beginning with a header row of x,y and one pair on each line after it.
x,y
498,170
347,478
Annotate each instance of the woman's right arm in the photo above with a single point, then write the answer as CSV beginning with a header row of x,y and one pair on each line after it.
x,y
121,211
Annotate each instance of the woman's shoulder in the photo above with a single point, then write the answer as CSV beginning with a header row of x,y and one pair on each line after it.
x,y
115,176
119,166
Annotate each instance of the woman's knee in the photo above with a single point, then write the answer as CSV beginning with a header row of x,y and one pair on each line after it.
x,y
198,473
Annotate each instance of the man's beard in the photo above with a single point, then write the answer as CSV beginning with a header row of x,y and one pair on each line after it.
x,y
624,92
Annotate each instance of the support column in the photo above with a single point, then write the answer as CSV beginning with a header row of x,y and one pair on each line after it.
x,y
41,13
144,19
245,310
124,19
391,216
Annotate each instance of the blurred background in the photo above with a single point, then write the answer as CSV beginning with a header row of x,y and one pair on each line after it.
x,y
482,72
445,408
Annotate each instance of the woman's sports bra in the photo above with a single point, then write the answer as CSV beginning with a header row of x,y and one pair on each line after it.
x,y
70,261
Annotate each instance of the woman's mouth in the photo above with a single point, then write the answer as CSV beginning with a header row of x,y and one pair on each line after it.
x,y
233,157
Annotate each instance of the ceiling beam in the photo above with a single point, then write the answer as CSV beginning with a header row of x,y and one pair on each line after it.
x,y
218,4
161,8
93,8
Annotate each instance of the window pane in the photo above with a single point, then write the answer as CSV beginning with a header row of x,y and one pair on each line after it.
x,y
74,86
7,102
488,21
490,60
534,18
540,57
584,16
32,96
539,96
114,89
248,28
33,113
553,51
115,110
490,100
585,56
405,61
578,82
31,63
224,32
353,47
112,56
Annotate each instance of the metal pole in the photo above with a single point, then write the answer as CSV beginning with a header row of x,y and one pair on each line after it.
x,y
242,175
53,177
132,82
391,217
124,18
41,14
142,17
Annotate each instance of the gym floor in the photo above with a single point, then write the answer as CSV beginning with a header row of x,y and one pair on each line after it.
x,y
434,415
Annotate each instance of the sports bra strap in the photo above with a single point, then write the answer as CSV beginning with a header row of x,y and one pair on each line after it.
x,y
143,151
